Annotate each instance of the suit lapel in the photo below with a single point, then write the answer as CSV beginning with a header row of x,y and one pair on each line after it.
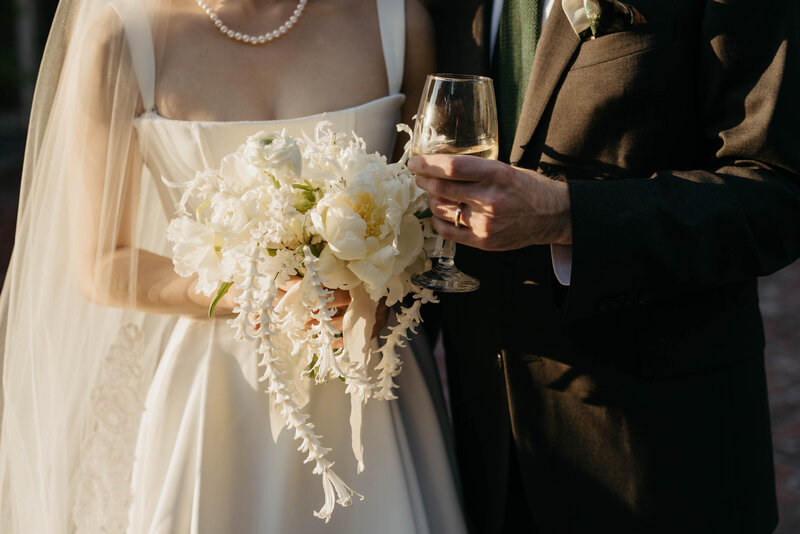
x,y
554,52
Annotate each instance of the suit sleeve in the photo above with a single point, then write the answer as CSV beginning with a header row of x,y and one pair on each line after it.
x,y
677,232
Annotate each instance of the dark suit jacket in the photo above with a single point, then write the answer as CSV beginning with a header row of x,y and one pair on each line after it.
x,y
636,397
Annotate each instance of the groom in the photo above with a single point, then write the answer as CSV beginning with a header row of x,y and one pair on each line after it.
x,y
608,376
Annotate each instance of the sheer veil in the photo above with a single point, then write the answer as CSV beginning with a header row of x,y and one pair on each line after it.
x,y
77,359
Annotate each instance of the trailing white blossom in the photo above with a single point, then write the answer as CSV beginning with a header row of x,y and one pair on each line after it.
x,y
407,321
282,223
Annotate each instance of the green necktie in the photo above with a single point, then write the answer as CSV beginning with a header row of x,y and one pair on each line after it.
x,y
520,25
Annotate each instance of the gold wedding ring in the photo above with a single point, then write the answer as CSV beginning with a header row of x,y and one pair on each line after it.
x,y
457,220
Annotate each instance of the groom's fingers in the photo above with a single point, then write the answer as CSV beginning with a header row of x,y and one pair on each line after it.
x,y
448,230
447,210
455,167
447,189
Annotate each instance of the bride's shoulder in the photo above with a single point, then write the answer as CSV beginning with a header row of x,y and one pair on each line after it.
x,y
106,60
101,40
104,34
106,28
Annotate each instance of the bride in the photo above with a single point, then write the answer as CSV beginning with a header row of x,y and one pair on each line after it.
x,y
124,409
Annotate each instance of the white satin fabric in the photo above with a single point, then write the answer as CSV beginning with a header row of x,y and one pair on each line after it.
x,y
205,458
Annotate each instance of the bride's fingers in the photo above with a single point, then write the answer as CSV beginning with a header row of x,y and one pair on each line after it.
x,y
288,284
341,299
337,322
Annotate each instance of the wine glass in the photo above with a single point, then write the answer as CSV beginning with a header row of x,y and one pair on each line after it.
x,y
457,115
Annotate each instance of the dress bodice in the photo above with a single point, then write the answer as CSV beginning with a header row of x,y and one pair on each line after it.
x,y
174,150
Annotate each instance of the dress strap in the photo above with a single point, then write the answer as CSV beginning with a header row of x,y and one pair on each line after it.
x,y
140,42
392,21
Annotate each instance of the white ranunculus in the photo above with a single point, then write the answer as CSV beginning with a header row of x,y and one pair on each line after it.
x,y
229,216
275,154
194,250
253,202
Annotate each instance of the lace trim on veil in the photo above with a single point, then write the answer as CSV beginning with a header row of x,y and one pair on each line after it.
x,y
103,490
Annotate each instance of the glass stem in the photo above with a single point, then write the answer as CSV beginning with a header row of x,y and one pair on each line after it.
x,y
447,255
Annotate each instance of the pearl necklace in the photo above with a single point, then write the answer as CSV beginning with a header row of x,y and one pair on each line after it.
x,y
254,39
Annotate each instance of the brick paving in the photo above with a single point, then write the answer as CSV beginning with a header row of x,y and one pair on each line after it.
x,y
780,303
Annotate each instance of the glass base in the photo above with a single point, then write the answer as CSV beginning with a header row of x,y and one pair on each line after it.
x,y
445,277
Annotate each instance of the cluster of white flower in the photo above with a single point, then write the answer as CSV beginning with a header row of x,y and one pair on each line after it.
x,y
323,209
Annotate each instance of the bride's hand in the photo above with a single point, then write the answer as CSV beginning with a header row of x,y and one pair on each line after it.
x,y
340,302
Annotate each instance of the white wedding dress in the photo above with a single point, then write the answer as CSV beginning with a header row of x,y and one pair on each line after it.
x,y
205,458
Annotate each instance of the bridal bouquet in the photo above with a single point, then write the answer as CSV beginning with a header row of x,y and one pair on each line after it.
x,y
323,210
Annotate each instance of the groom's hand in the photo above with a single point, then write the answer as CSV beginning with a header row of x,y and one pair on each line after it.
x,y
502,207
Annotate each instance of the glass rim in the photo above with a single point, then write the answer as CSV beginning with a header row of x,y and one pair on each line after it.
x,y
451,77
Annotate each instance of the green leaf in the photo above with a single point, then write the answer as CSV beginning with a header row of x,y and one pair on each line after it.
x,y
311,371
223,288
304,200
200,209
426,213
316,249
303,187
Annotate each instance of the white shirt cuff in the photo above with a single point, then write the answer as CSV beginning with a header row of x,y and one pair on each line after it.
x,y
562,263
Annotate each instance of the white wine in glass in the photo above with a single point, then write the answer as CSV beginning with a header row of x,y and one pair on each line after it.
x,y
457,115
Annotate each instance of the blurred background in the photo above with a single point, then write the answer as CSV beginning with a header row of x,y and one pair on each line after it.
x,y
24,25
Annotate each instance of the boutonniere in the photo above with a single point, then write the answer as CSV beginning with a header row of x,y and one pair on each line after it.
x,y
594,18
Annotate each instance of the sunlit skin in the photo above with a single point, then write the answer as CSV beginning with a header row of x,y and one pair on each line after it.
x,y
502,207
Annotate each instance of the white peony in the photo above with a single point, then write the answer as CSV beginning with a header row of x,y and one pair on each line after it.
x,y
362,226
337,275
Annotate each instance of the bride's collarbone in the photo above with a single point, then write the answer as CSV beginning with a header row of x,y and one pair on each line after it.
x,y
315,67
288,95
